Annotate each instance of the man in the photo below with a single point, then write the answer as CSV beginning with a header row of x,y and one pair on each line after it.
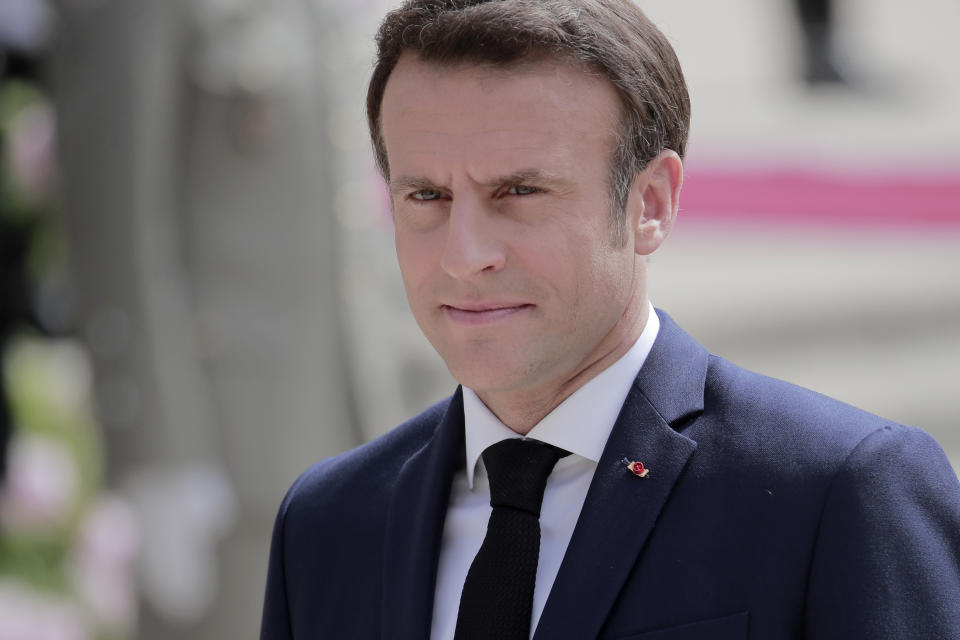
x,y
533,154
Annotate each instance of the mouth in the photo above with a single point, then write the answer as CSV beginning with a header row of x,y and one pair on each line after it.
x,y
473,314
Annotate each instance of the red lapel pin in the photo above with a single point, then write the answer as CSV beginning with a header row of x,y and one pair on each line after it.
x,y
638,469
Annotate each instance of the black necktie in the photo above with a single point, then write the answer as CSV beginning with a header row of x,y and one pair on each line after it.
x,y
497,599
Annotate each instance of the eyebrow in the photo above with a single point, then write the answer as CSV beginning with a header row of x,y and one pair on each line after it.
x,y
523,176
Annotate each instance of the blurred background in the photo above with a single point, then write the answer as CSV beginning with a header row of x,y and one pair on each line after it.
x,y
198,287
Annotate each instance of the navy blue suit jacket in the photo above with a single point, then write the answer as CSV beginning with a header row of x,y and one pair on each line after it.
x,y
770,512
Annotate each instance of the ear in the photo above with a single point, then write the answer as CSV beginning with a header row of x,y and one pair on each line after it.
x,y
654,199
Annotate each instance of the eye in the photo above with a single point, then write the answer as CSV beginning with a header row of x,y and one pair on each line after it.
x,y
426,195
521,190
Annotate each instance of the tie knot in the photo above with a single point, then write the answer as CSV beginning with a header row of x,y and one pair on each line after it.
x,y
518,471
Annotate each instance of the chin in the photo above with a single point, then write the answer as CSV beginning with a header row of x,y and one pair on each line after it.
x,y
477,374
479,381
491,375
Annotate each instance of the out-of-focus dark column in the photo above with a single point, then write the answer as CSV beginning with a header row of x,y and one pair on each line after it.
x,y
819,49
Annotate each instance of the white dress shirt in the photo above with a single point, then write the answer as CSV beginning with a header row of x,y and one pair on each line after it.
x,y
581,425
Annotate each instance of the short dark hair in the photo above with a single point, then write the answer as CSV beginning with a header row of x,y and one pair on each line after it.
x,y
613,37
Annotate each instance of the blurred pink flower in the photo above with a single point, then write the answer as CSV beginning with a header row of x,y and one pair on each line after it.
x,y
33,149
41,484
103,564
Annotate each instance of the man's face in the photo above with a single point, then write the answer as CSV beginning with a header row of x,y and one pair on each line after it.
x,y
499,183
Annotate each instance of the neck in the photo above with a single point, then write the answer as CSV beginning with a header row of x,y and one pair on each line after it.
x,y
522,410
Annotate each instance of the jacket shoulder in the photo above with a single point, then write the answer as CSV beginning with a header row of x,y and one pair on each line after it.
x,y
775,411
354,481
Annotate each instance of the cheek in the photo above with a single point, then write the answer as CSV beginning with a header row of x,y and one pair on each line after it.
x,y
605,278
415,255
581,260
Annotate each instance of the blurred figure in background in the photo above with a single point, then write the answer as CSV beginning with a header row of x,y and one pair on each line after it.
x,y
819,51
196,182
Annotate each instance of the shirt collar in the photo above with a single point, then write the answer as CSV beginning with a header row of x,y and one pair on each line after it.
x,y
581,424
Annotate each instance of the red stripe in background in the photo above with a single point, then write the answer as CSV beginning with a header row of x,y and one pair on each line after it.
x,y
809,197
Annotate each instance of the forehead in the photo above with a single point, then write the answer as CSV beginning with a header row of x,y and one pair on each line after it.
x,y
544,107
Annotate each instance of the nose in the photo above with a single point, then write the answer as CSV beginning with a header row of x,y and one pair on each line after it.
x,y
473,244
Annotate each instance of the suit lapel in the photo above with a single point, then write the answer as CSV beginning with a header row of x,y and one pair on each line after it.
x,y
621,509
415,527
